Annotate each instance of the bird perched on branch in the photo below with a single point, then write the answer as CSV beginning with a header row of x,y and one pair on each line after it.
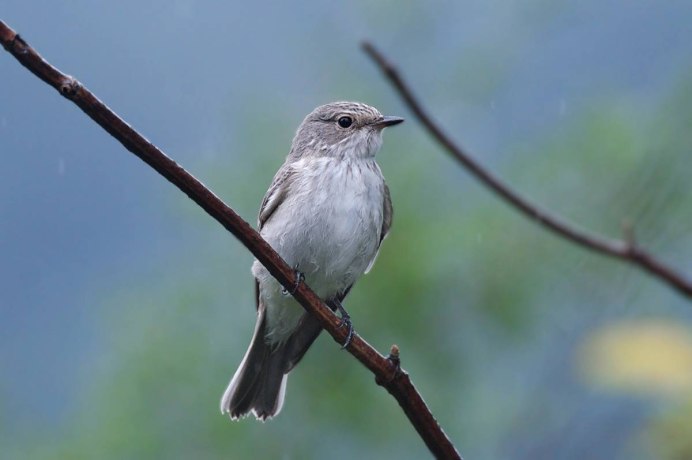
x,y
326,213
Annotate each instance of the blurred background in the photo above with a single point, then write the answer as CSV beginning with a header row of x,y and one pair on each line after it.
x,y
124,309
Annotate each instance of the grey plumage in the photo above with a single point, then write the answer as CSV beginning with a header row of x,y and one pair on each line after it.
x,y
326,213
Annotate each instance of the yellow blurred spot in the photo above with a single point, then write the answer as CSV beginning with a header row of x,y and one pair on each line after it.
x,y
643,356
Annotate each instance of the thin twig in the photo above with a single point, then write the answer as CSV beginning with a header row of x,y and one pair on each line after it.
x,y
387,372
626,250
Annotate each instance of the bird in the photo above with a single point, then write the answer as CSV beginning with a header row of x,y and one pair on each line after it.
x,y
326,213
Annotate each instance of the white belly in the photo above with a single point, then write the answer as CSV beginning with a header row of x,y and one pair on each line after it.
x,y
329,229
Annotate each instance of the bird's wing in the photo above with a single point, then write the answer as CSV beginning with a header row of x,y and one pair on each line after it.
x,y
276,194
278,190
387,213
257,294
309,328
272,199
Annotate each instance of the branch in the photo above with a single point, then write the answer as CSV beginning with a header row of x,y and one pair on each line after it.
x,y
625,250
386,370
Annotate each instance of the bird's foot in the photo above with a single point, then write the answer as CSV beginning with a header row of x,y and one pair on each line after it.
x,y
300,277
345,322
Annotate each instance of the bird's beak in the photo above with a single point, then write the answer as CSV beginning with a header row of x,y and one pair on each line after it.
x,y
388,121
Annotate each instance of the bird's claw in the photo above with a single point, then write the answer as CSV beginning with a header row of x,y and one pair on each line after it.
x,y
300,277
345,321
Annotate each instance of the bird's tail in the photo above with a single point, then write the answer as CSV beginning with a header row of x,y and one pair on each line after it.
x,y
259,384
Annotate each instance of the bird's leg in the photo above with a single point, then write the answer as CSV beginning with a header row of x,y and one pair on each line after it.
x,y
300,277
335,304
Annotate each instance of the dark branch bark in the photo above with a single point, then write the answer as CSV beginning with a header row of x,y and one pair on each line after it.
x,y
386,370
626,250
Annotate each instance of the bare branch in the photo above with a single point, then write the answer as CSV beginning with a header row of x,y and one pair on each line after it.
x,y
387,371
626,251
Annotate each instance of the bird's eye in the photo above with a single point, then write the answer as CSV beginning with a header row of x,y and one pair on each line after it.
x,y
345,122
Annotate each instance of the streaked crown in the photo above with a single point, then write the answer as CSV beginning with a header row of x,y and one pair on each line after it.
x,y
341,129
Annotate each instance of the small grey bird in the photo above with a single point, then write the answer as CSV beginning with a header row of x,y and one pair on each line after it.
x,y
326,213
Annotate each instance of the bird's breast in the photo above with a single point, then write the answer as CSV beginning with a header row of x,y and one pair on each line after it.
x,y
330,222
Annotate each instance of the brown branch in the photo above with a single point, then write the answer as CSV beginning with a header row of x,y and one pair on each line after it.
x,y
386,370
626,250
